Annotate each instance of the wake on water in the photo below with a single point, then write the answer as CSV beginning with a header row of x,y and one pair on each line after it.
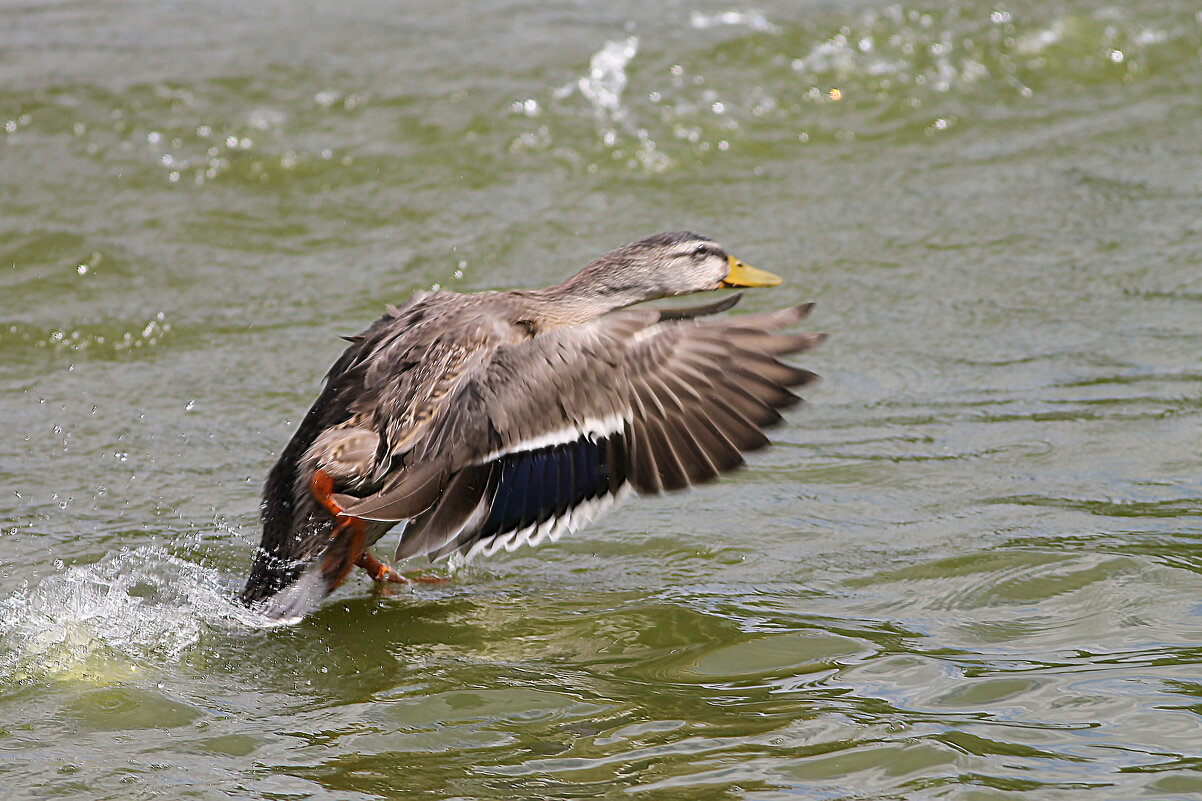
x,y
134,608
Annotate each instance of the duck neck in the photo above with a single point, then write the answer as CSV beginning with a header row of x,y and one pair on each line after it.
x,y
583,297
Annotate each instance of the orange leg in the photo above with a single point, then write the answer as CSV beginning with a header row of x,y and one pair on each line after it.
x,y
322,487
348,537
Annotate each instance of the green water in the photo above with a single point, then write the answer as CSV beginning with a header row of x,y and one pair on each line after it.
x,y
971,567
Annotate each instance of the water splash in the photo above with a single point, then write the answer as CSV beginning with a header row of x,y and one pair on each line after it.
x,y
602,87
894,50
132,610
150,333
606,79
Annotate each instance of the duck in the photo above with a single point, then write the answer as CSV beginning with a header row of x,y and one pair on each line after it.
x,y
492,420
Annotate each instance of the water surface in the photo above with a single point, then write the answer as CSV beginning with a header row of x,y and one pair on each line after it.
x,y
970,568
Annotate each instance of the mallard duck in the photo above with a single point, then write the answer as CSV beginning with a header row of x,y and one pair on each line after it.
x,y
498,419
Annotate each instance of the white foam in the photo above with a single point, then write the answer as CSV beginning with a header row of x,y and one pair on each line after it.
x,y
132,609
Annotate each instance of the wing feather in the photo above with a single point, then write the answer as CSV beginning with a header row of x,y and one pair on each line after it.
x,y
411,492
538,436
463,498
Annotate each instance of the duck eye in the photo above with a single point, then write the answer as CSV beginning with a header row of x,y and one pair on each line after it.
x,y
702,250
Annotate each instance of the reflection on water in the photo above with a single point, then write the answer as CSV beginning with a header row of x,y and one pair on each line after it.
x,y
970,567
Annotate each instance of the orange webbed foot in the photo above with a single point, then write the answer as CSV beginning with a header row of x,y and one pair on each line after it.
x,y
379,572
383,575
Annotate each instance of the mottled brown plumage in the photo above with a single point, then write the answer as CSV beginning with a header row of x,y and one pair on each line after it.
x,y
495,419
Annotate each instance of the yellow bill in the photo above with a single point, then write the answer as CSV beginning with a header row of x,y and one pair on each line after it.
x,y
745,275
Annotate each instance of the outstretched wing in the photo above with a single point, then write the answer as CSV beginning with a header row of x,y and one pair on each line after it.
x,y
547,433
